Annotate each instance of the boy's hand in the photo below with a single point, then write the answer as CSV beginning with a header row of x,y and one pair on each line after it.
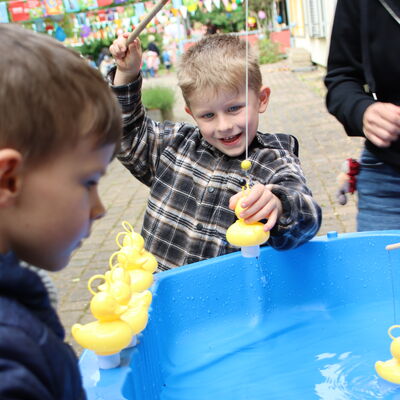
x,y
381,123
260,203
128,59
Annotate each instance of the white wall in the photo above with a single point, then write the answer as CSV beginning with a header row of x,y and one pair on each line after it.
x,y
318,47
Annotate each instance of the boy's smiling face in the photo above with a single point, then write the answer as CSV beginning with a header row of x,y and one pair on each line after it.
x,y
221,117
57,204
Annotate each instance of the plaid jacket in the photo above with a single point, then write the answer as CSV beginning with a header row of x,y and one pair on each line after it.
x,y
191,182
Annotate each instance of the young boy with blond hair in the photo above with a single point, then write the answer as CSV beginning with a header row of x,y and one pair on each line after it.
x,y
59,126
194,172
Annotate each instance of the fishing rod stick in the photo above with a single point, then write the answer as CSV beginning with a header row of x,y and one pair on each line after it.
x,y
136,32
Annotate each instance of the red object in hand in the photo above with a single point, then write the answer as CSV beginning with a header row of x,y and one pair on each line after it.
x,y
348,179
353,170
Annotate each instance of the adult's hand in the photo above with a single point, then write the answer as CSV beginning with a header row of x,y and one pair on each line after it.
x,y
381,123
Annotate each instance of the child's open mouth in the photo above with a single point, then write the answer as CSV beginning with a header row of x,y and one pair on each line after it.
x,y
231,139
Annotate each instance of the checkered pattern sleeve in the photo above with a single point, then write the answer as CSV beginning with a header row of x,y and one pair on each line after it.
x,y
301,218
143,139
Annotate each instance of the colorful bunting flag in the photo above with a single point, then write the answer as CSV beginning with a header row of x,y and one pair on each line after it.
x,y
139,9
35,8
104,3
53,7
101,13
88,4
135,20
3,13
18,11
71,5
208,5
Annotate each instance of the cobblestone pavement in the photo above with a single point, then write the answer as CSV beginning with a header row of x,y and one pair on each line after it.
x,y
295,107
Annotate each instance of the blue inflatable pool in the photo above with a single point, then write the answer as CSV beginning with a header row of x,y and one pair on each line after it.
x,y
308,323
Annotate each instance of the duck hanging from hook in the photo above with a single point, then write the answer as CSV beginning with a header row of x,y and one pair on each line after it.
x,y
247,236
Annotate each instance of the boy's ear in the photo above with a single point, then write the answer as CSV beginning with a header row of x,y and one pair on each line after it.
x,y
10,178
265,92
187,109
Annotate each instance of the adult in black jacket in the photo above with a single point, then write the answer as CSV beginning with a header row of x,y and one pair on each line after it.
x,y
363,82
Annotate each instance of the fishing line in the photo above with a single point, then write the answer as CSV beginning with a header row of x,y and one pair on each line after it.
x,y
247,79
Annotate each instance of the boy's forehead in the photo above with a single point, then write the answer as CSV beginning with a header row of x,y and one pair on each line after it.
x,y
222,94
215,91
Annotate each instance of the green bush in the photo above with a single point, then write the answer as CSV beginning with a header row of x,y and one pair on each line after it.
x,y
268,51
159,97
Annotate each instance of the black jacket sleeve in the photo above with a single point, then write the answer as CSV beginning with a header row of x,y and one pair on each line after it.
x,y
346,98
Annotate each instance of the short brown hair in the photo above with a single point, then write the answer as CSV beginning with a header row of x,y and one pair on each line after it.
x,y
218,62
50,97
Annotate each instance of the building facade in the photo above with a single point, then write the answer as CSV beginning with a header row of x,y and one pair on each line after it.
x,y
310,24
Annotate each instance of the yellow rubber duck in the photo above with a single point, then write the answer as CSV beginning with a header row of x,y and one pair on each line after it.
x,y
130,257
142,299
390,370
140,279
121,284
149,262
108,335
130,237
117,283
247,236
132,251
137,314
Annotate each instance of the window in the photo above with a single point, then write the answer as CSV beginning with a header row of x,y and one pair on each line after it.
x,y
316,18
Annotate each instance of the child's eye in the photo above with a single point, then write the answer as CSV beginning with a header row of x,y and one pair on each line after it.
x,y
234,108
90,183
207,116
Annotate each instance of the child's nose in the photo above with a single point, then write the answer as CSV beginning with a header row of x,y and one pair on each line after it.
x,y
98,210
224,124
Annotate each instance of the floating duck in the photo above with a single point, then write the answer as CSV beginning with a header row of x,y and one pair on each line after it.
x,y
390,370
248,236
109,334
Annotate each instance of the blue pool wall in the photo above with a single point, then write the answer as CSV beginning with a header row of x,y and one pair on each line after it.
x,y
332,270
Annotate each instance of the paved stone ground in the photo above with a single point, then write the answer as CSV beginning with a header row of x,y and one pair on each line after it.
x,y
296,107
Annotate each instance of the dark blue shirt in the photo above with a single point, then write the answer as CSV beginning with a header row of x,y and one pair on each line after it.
x,y
35,363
